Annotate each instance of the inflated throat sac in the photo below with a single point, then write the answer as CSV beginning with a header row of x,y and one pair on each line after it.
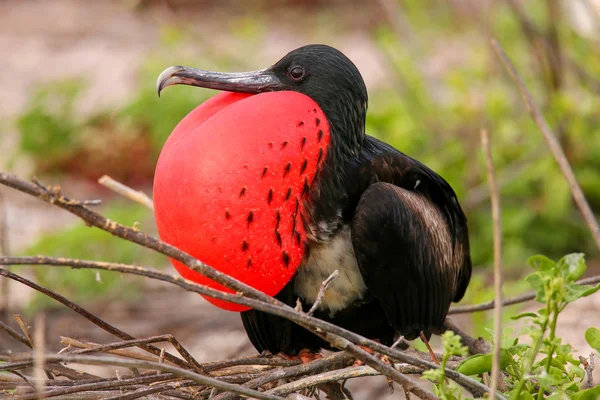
x,y
231,184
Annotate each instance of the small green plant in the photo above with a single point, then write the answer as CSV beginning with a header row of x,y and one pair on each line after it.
x,y
48,127
545,368
443,389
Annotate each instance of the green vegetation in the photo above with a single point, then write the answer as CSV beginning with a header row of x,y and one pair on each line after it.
x,y
452,347
546,367
437,117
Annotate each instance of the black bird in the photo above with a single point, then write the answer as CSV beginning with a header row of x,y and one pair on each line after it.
x,y
391,226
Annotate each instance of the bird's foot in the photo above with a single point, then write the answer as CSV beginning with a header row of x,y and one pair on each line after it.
x,y
358,362
304,355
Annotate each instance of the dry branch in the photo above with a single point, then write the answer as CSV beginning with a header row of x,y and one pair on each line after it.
x,y
245,295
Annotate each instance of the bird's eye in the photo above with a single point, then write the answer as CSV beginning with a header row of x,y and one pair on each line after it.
x,y
297,73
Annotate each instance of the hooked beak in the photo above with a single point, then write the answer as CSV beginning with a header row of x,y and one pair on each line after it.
x,y
245,82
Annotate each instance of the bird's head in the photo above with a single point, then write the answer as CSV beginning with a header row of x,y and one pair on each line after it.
x,y
321,72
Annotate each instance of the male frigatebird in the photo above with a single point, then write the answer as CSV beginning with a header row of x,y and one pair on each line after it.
x,y
278,185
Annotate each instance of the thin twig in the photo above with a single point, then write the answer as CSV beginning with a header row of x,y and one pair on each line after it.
x,y
553,144
489,305
125,191
324,286
4,284
496,218
588,366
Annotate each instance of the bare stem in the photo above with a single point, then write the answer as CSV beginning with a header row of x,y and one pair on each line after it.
x,y
324,285
496,218
125,191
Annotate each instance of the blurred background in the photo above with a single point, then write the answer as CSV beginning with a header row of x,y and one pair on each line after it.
x,y
78,100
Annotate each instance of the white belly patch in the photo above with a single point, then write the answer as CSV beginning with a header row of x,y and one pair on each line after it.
x,y
322,261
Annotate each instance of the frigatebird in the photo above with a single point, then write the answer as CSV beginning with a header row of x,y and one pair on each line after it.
x,y
281,176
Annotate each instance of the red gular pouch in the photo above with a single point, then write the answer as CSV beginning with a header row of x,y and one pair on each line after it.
x,y
231,184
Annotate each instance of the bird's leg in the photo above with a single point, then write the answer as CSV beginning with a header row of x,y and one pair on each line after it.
x,y
431,353
304,355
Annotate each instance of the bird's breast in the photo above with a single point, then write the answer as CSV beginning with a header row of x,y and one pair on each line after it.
x,y
323,260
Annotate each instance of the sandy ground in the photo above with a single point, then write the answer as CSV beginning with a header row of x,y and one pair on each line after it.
x,y
105,41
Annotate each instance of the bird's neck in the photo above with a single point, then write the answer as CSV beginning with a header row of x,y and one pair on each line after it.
x,y
329,195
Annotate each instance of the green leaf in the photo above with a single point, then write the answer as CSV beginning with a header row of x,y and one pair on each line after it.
x,y
536,282
588,394
576,291
572,266
576,371
480,363
592,336
517,349
525,396
553,378
557,396
541,263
